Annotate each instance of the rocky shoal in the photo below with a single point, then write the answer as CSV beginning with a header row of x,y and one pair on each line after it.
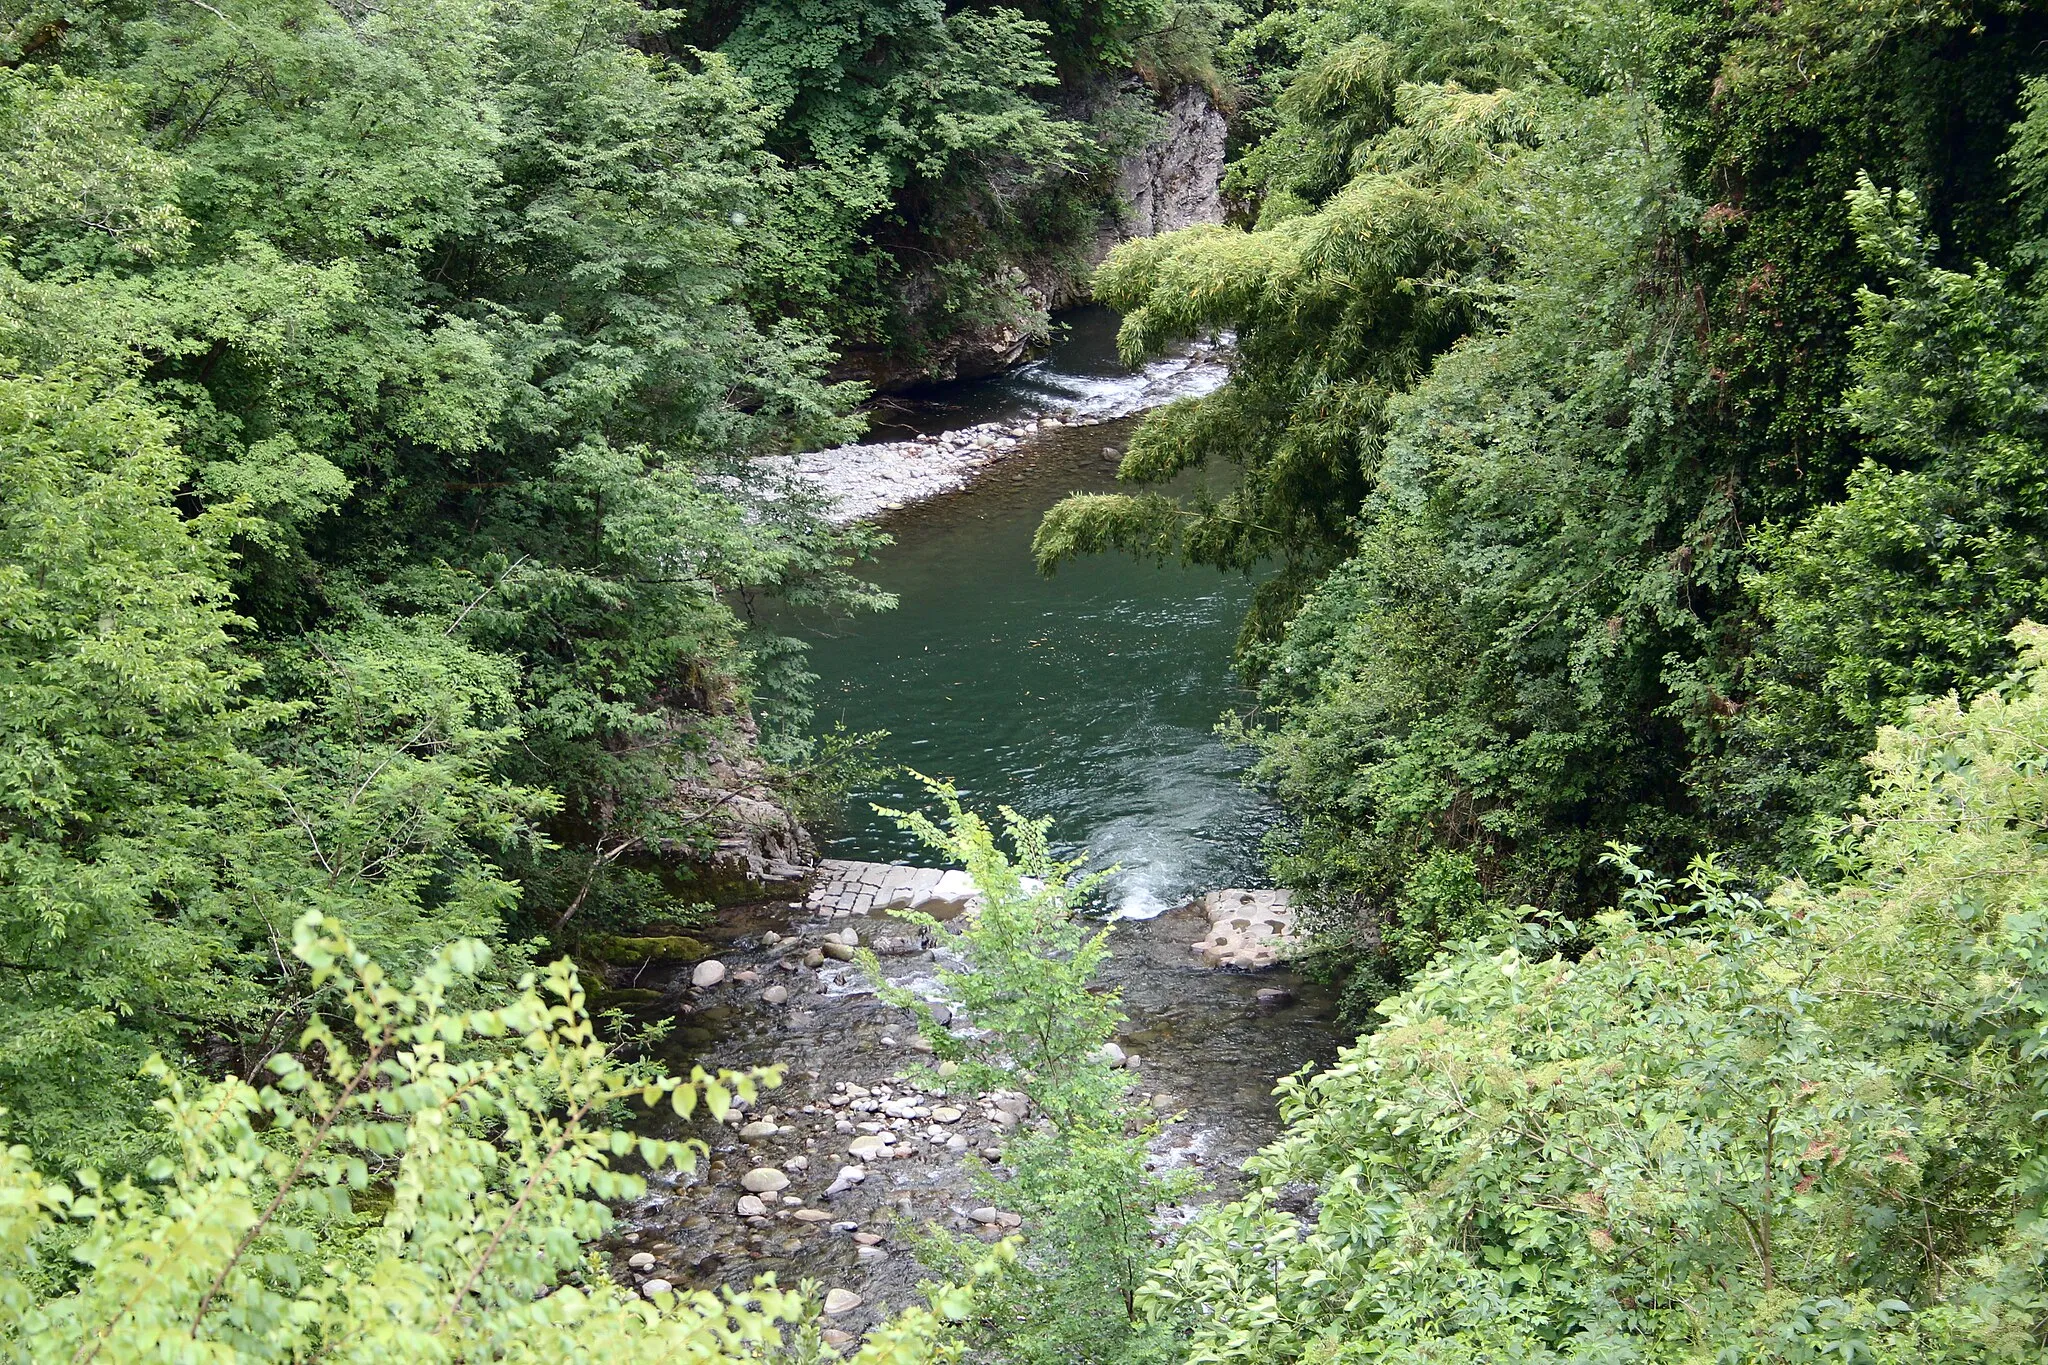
x,y
864,481
830,1176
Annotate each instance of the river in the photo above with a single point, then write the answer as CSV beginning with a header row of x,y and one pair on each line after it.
x,y
1091,696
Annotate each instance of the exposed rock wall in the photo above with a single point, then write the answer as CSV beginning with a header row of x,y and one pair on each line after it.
x,y
1177,180
1174,181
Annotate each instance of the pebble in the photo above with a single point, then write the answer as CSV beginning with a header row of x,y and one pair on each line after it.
x,y
764,1180
835,1338
1112,1054
641,1260
775,995
848,1177
750,1206
759,1128
987,1214
868,1146
813,1216
815,958
708,973
838,952
946,1113
839,1301
867,1239
653,1288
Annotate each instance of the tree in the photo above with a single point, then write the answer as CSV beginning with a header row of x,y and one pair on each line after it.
x,y
1080,1178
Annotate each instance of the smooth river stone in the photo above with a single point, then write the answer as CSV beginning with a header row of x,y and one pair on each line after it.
x,y
764,1180
840,1301
750,1206
708,973
868,1147
759,1128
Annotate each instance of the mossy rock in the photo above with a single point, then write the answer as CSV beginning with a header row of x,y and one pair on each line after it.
x,y
621,951
626,998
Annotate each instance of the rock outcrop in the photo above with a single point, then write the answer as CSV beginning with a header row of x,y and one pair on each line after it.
x,y
1247,929
1174,181
1177,180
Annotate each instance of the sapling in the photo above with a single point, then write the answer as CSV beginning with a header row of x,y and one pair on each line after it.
x,y
1037,1023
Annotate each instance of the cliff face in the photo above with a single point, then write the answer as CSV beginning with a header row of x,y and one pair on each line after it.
x,y
1177,180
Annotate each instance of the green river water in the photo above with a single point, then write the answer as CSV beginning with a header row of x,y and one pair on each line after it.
x,y
1090,696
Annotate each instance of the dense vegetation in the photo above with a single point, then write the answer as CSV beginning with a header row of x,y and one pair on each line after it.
x,y
1800,1129
1637,413
1640,401
379,537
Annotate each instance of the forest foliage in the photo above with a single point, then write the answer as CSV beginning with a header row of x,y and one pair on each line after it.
x,y
380,541
1636,417
1636,405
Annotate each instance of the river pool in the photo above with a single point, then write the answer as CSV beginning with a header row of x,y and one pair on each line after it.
x,y
1091,696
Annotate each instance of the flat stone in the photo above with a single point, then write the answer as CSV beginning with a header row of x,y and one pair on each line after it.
x,y
750,1206
775,995
868,1146
764,1180
839,952
641,1260
987,1213
759,1128
867,1239
812,1216
841,1301
708,973
946,1113
656,1288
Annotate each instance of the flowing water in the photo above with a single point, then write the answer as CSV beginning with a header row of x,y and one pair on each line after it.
x,y
1091,696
